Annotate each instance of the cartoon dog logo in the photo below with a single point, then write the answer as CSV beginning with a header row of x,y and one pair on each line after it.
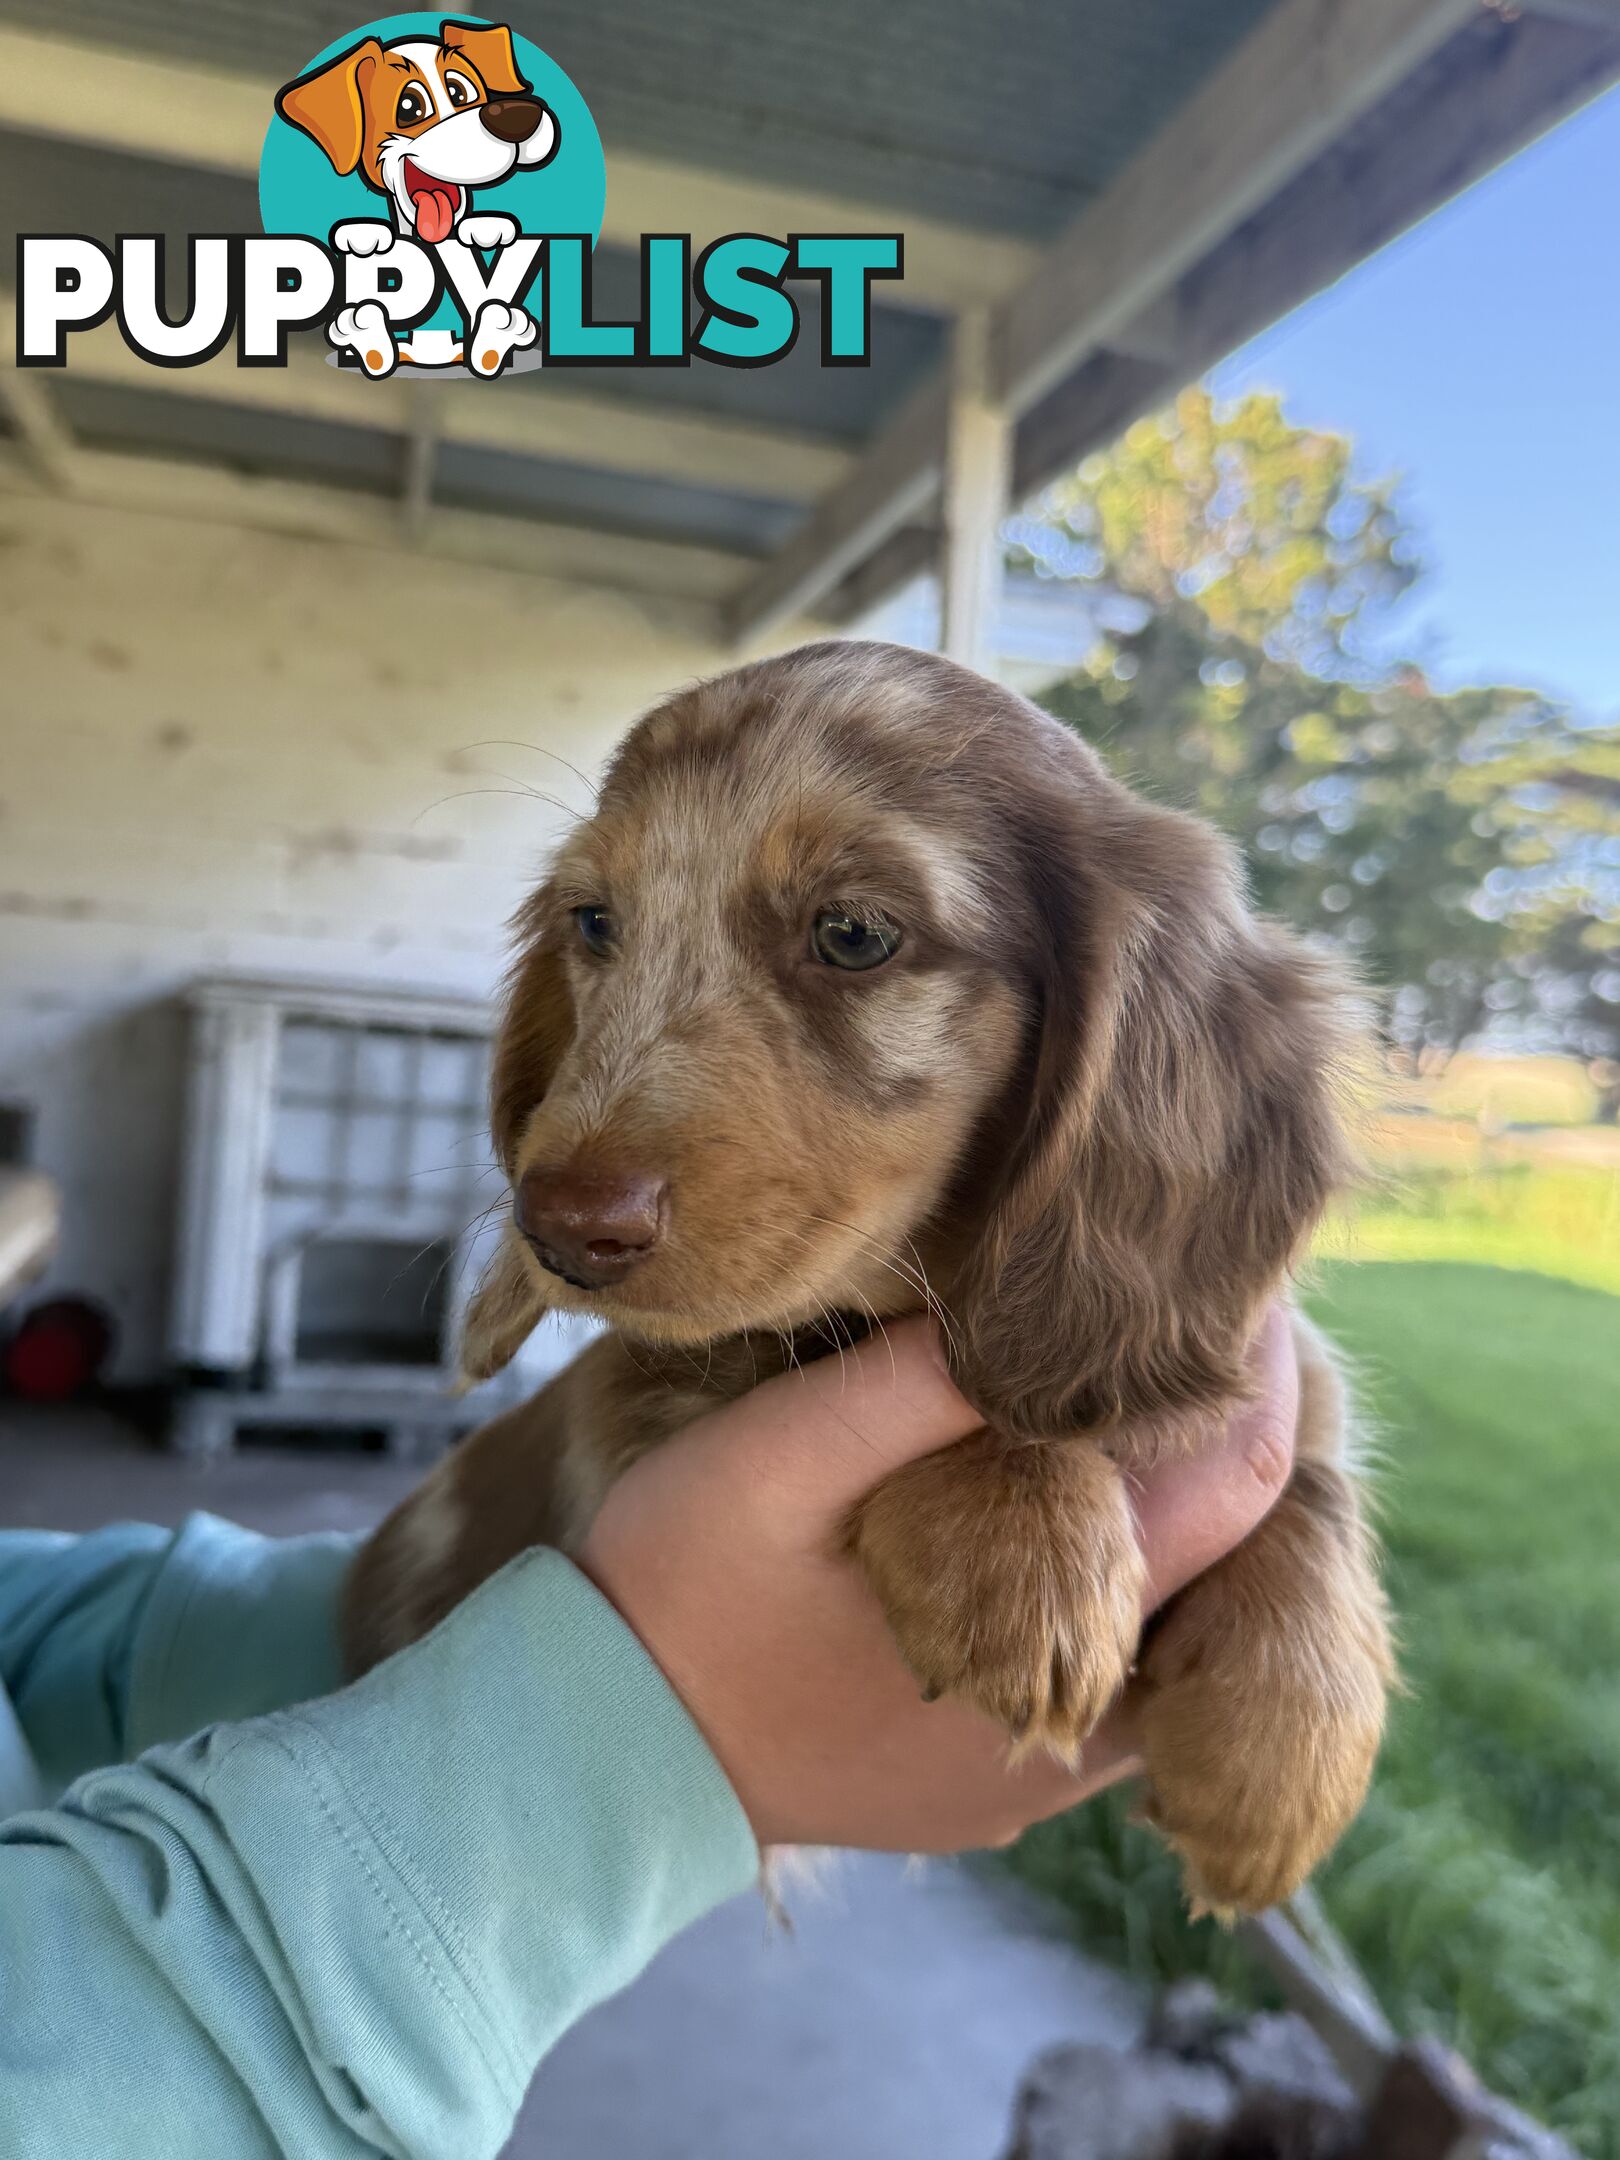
x,y
423,122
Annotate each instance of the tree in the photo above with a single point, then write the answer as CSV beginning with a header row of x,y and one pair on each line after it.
x,y
1465,847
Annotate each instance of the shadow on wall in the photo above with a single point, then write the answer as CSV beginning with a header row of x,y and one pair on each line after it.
x,y
107,1101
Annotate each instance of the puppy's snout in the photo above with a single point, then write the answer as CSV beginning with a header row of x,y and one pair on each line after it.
x,y
590,1229
512,120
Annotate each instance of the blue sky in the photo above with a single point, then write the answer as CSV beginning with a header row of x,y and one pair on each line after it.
x,y
1479,356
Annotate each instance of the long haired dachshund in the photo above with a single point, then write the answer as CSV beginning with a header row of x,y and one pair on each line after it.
x,y
867,989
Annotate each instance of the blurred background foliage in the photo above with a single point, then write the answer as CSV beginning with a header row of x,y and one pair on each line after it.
x,y
1463,846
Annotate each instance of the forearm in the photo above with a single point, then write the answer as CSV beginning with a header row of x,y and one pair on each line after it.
x,y
132,1635
357,1926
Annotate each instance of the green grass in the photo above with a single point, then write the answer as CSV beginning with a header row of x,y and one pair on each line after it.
x,y
1481,1888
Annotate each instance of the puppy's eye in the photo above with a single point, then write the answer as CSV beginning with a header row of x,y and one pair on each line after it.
x,y
412,106
460,90
597,930
844,941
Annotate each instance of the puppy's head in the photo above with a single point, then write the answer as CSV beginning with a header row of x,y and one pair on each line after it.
x,y
425,120
864,967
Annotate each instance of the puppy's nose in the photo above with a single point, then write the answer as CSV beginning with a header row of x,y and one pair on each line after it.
x,y
512,120
589,1229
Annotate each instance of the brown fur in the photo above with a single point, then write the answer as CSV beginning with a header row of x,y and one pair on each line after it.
x,y
1086,1113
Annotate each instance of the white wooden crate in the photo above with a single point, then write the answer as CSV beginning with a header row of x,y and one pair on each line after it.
x,y
338,1200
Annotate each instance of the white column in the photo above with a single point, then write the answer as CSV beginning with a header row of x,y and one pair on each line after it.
x,y
978,477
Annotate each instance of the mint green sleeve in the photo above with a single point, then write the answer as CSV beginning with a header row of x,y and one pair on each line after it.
x,y
129,1635
351,1926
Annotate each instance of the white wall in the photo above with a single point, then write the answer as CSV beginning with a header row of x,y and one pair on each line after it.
x,y
225,752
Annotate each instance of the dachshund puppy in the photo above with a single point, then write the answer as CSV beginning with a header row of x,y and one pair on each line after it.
x,y
867,989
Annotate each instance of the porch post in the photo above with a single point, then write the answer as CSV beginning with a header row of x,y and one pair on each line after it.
x,y
978,475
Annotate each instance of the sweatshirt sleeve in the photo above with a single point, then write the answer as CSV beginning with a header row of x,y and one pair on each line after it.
x,y
132,1634
356,1925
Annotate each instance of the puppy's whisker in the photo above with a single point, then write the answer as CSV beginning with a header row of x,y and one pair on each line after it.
x,y
512,742
553,802
914,1278
876,1319
521,793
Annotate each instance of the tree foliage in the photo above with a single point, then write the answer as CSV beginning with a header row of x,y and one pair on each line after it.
x,y
1463,846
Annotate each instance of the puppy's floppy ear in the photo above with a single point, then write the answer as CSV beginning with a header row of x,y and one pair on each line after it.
x,y
329,104
1180,1136
489,47
502,1313
537,1024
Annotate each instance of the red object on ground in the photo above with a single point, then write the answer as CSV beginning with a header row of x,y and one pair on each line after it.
x,y
57,1350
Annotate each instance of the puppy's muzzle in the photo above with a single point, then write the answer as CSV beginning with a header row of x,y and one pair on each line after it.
x,y
512,120
590,1229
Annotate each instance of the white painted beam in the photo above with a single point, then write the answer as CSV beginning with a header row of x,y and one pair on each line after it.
x,y
556,420
1309,70
189,115
421,454
306,510
978,476
1154,334
44,436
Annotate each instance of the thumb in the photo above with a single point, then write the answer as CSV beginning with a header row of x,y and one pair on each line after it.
x,y
828,1432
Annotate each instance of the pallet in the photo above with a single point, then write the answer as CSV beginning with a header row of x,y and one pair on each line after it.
x,y
418,1425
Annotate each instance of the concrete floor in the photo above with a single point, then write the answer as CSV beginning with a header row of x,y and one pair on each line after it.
x,y
893,2024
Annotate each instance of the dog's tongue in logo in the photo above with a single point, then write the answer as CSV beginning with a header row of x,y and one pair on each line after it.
x,y
435,201
435,213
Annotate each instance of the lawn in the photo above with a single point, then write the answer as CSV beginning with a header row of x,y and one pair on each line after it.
x,y
1481,1889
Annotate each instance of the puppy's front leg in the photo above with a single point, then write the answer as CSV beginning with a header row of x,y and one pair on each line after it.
x,y
1264,1681
1011,1577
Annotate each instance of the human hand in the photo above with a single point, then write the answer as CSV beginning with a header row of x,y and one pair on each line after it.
x,y
722,1551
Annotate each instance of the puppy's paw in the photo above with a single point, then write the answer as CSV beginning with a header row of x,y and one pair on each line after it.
x,y
364,331
363,236
1012,1579
487,229
1263,1702
497,333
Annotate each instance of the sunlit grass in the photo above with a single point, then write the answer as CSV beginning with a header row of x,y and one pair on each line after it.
x,y
1514,1210
1508,1090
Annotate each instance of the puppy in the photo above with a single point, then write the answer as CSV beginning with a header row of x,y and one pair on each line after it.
x,y
866,989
